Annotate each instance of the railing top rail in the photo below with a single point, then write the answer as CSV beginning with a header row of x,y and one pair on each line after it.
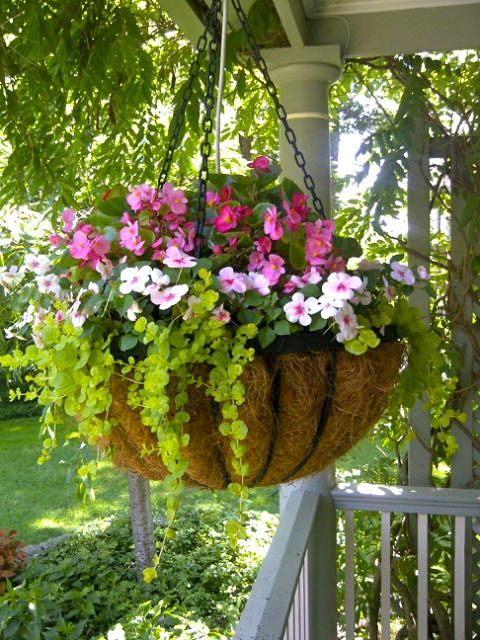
x,y
429,500
266,612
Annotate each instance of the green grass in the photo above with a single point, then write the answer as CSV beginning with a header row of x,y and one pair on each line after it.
x,y
39,502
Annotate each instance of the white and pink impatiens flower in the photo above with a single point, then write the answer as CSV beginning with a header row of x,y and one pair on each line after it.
x,y
49,284
40,265
134,279
231,281
402,273
341,286
347,323
300,310
221,314
178,259
168,297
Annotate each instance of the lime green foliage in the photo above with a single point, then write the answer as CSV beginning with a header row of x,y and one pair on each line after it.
x,y
86,586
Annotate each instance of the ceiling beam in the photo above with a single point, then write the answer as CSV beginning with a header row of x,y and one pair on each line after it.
x,y
403,31
293,20
183,13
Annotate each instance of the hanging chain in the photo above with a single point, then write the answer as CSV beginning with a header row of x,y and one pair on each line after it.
x,y
207,122
186,96
280,110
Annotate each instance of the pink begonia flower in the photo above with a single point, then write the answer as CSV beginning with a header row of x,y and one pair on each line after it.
x,y
177,259
212,199
48,284
273,268
423,273
289,287
100,245
55,240
300,310
316,248
169,297
347,322
243,211
80,245
341,286
255,261
126,218
226,193
401,273
104,268
133,311
69,218
217,249
221,314
225,220
264,244
60,316
258,282
130,238
143,197
231,281
389,290
38,264
134,279
260,164
271,225
175,199
327,307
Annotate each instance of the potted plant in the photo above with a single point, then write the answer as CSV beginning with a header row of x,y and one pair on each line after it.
x,y
248,348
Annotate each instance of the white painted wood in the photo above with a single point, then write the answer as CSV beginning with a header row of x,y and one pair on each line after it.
x,y
459,579
376,497
422,617
349,575
385,575
293,20
322,8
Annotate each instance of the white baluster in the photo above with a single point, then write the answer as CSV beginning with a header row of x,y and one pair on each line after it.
x,y
349,575
385,575
422,621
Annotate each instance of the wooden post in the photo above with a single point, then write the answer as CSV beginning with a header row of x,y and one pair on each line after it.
x,y
142,521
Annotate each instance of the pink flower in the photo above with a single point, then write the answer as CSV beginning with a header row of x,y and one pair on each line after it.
x,y
168,297
212,199
271,225
217,249
341,286
260,164
258,282
221,314
100,245
175,199
347,322
69,218
80,246
226,219
273,268
60,316
243,211
401,273
143,197
423,273
299,310
48,284
38,264
226,193
55,240
177,259
255,261
264,244
389,290
232,242
130,238
230,281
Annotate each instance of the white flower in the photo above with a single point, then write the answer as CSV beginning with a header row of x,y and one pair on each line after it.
x,y
221,314
133,311
327,308
178,259
117,633
159,278
38,264
134,279
423,273
11,276
347,322
76,316
258,282
104,268
169,296
401,273
340,286
48,284
362,296
191,302
299,310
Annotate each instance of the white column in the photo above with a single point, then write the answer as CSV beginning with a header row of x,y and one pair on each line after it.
x,y
303,77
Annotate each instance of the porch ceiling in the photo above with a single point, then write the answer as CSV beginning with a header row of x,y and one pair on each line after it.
x,y
363,28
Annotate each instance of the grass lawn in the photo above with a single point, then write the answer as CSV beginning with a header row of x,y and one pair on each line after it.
x,y
39,502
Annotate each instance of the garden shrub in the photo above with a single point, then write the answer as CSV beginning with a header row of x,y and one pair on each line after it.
x,y
84,587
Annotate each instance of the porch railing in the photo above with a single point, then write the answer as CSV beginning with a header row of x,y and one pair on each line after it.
x,y
278,608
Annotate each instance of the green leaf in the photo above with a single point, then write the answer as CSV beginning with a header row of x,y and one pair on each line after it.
x,y
282,328
289,187
266,336
296,255
127,342
318,323
149,575
253,298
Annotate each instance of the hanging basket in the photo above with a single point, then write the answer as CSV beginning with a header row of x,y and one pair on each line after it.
x,y
303,411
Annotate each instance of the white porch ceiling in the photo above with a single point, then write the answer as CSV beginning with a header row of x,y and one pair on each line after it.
x,y
362,28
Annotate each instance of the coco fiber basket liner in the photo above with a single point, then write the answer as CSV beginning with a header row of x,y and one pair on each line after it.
x,y
303,408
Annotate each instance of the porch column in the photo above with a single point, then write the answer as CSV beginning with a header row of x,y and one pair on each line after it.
x,y
303,76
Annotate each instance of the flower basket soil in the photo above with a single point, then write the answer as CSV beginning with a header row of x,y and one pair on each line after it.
x,y
303,411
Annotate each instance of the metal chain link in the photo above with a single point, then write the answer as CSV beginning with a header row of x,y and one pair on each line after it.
x,y
280,110
207,121
181,112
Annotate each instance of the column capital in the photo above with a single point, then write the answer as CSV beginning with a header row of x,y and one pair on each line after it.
x,y
322,63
